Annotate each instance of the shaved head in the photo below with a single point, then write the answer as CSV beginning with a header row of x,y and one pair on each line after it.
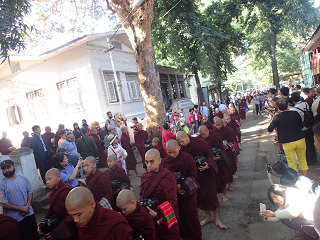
x,y
203,128
153,160
113,157
53,171
181,135
156,139
91,159
204,131
173,148
125,196
172,143
53,178
90,165
217,120
153,153
79,196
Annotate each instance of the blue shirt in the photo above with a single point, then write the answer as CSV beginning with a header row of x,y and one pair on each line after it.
x,y
289,178
70,146
65,175
16,191
205,110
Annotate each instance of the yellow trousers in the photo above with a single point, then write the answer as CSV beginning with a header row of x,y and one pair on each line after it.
x,y
298,147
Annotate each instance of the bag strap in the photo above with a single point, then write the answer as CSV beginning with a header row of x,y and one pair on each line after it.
x,y
113,150
164,136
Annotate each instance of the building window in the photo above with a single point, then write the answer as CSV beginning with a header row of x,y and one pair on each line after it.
x,y
112,88
133,86
116,45
15,67
69,95
36,104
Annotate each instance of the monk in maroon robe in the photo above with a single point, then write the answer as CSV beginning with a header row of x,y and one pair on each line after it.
x,y
207,193
234,114
217,113
206,123
242,110
161,183
57,135
223,175
9,228
156,145
97,181
102,155
140,138
137,216
47,136
93,221
233,124
229,135
178,161
117,173
131,161
5,144
57,197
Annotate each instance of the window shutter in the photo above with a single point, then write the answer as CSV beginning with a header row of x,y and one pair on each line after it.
x,y
112,91
133,90
138,89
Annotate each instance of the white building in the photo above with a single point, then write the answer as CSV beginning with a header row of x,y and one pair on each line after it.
x,y
73,82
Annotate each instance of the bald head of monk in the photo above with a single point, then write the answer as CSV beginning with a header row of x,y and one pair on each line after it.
x,y
232,110
182,138
218,122
139,126
204,119
224,122
227,117
155,142
153,160
112,161
53,178
80,205
127,202
90,165
173,148
204,131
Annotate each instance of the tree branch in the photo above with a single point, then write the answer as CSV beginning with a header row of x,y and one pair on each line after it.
x,y
109,7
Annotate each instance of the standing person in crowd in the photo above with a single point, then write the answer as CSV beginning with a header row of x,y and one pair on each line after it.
x,y
191,119
5,144
257,103
102,155
76,131
301,107
217,113
70,146
284,92
85,125
100,131
67,171
62,137
135,121
98,182
159,182
57,135
84,122
207,192
234,125
40,151
48,138
131,161
111,131
140,137
315,104
26,139
289,125
197,117
204,110
94,221
166,134
17,197
86,145
311,93
117,150
178,161
234,114
175,125
242,110
110,121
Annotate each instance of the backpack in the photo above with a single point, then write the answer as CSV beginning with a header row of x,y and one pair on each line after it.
x,y
308,117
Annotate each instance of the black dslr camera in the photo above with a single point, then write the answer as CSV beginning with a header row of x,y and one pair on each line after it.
x,y
269,168
132,145
134,127
200,161
180,177
152,203
216,151
48,224
115,185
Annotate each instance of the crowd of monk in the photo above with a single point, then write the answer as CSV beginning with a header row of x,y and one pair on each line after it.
x,y
93,212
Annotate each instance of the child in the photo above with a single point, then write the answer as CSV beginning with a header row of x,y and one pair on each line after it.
x,y
137,216
119,174
156,145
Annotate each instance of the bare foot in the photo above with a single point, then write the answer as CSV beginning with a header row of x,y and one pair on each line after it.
x,y
231,188
221,225
225,199
235,176
204,222
129,174
138,175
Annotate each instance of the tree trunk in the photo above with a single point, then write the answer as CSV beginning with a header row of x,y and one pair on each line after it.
x,y
273,43
219,89
138,29
199,89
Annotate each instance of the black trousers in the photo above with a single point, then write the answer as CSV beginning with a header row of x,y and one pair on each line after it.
x,y
43,166
301,225
311,154
28,227
258,108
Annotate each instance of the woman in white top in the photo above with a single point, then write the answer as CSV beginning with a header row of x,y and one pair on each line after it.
x,y
295,211
116,149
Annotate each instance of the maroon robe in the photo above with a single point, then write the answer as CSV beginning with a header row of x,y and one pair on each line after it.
x,y
99,184
57,138
120,175
140,139
25,142
236,128
9,228
309,100
161,150
105,225
208,124
219,114
5,143
207,193
235,115
189,223
242,112
140,219
47,140
223,175
162,184
102,155
131,160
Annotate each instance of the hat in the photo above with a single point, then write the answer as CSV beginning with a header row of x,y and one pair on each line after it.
x,y
6,161
61,150
182,120
67,131
110,128
111,138
95,124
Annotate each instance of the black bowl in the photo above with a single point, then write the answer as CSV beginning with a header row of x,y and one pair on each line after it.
x,y
137,234
200,161
48,224
180,177
216,151
115,184
152,203
132,145
147,141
